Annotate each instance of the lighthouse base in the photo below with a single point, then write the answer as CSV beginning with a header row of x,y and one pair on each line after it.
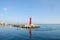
x,y
32,26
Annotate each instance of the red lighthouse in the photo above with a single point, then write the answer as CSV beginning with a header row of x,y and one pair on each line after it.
x,y
30,23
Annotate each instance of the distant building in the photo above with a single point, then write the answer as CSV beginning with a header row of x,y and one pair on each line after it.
x,y
2,23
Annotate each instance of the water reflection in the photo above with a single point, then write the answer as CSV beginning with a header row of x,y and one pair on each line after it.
x,y
30,32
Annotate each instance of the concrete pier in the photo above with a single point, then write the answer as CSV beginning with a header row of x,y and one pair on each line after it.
x,y
32,26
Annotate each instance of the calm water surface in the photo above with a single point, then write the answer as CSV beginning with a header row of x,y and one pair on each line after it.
x,y
45,32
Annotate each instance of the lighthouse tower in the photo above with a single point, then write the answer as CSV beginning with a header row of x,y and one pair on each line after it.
x,y
30,23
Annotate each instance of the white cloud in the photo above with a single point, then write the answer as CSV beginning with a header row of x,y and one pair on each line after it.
x,y
5,9
1,15
4,12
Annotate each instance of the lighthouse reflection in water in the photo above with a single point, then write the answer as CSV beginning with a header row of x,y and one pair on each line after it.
x,y
30,32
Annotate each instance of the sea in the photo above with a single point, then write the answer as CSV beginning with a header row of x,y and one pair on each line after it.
x,y
44,32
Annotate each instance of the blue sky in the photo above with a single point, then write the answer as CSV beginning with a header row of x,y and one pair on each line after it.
x,y
41,11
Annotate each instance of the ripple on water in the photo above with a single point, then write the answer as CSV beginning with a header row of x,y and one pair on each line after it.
x,y
45,32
